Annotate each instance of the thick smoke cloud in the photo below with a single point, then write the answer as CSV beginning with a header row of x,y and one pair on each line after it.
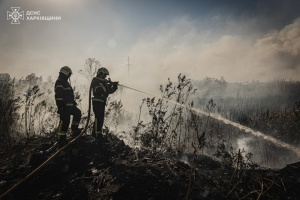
x,y
182,48
241,42
282,48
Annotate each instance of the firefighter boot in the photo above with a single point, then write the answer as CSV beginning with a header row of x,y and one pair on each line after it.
x,y
62,141
97,134
76,132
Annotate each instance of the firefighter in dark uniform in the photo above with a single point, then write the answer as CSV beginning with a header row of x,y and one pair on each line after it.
x,y
64,97
101,89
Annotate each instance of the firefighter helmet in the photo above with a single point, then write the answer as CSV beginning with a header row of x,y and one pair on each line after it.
x,y
102,71
66,71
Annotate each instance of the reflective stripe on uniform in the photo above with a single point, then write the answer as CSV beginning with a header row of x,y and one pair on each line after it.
x,y
59,99
99,100
96,124
75,123
61,133
60,125
96,128
100,86
69,104
64,88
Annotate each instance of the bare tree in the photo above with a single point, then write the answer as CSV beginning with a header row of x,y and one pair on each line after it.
x,y
90,68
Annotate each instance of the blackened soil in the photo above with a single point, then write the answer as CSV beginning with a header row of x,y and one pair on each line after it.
x,y
109,169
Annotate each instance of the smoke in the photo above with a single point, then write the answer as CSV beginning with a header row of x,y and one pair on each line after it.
x,y
213,45
180,47
242,143
281,48
184,158
165,51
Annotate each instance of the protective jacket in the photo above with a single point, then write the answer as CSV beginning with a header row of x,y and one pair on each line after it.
x,y
64,94
102,88
64,97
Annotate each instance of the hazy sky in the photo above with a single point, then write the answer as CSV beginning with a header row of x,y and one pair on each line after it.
x,y
241,40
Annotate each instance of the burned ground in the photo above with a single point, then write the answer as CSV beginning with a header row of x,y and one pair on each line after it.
x,y
109,169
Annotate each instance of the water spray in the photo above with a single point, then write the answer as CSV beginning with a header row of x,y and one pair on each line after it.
x,y
226,121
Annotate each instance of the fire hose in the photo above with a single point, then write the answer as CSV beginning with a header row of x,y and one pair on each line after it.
x,y
55,154
72,141
217,117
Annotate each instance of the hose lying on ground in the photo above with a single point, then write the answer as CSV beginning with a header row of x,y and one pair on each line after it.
x,y
55,154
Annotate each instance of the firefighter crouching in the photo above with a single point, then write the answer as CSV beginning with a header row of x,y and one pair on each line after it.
x,y
64,97
101,89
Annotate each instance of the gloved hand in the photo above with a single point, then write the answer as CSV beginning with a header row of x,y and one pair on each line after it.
x,y
64,109
115,85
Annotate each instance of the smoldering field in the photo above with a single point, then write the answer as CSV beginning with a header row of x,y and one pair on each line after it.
x,y
143,121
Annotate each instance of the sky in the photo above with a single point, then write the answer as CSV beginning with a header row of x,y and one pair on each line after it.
x,y
240,40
